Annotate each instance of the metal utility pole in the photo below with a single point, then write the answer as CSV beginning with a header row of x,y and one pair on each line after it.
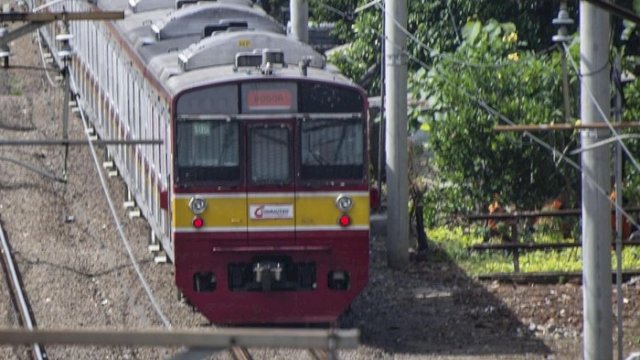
x,y
619,204
596,211
396,130
300,19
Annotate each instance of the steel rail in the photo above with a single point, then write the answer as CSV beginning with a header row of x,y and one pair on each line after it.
x,y
322,354
12,273
240,353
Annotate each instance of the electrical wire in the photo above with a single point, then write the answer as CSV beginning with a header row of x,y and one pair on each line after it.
x,y
505,119
453,21
114,214
441,55
165,321
605,117
345,15
44,62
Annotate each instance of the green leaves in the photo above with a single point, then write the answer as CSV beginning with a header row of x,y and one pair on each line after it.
x,y
489,68
471,31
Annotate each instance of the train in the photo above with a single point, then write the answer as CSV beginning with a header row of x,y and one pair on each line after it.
x,y
260,193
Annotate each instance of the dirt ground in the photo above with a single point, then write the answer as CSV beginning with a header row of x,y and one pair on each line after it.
x,y
449,315
78,274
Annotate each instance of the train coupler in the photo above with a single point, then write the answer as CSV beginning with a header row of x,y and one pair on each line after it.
x,y
266,273
278,273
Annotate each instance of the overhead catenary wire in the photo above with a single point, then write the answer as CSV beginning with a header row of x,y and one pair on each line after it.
x,y
442,55
123,237
508,121
44,62
74,89
605,117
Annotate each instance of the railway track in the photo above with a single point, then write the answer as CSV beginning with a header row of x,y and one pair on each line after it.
x,y
18,297
241,353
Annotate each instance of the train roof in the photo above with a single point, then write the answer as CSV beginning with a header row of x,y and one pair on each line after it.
x,y
223,48
202,43
228,73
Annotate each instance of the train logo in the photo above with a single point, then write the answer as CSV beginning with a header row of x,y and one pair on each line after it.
x,y
272,211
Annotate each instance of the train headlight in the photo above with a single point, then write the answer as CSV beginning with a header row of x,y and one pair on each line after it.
x,y
198,204
344,202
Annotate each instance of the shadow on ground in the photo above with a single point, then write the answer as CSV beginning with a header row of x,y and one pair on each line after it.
x,y
433,307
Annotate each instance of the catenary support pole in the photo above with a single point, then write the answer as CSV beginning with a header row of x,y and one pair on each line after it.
x,y
596,213
396,130
619,232
300,19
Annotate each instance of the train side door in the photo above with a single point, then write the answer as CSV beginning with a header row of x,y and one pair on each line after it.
x,y
270,182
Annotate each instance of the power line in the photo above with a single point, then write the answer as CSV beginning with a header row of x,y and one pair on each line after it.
x,y
604,116
74,88
505,119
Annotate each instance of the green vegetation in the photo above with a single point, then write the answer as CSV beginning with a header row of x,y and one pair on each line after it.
x,y
454,245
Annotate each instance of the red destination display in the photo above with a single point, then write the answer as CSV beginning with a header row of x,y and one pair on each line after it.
x,y
269,100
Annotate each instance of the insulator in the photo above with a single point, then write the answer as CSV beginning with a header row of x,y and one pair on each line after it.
x,y
562,21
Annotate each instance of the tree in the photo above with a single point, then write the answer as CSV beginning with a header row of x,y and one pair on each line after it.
x,y
490,71
436,28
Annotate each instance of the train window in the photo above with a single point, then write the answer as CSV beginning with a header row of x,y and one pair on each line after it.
x,y
212,100
270,155
326,98
331,149
208,151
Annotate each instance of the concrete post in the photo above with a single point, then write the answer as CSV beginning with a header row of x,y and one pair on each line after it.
x,y
300,19
596,211
396,130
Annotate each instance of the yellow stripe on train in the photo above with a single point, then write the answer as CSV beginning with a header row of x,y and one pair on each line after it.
x,y
236,210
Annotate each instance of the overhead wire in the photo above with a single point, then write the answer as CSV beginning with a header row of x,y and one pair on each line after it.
x,y
437,54
605,117
123,237
163,318
44,62
505,119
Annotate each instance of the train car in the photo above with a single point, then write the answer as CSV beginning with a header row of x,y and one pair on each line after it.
x,y
259,195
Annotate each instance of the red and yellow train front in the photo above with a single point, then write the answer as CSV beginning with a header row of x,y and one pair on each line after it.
x,y
270,208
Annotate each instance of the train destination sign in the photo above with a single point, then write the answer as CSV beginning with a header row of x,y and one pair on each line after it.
x,y
269,100
269,97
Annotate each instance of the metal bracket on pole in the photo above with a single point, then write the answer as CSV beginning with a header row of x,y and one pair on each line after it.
x,y
34,22
65,54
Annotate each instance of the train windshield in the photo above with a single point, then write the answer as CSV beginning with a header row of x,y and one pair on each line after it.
x,y
270,155
332,149
208,150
